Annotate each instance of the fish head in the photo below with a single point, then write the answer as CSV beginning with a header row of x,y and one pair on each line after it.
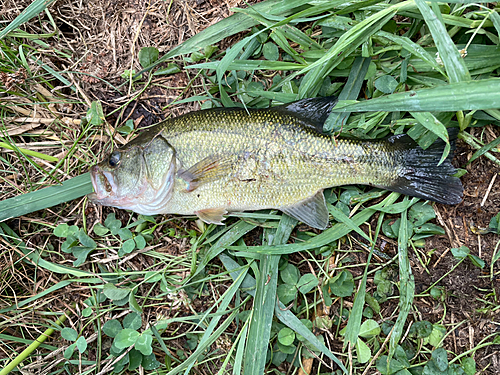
x,y
139,177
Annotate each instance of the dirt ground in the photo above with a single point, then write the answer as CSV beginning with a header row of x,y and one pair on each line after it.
x,y
104,37
469,289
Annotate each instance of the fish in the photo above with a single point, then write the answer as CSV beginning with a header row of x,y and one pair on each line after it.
x,y
213,162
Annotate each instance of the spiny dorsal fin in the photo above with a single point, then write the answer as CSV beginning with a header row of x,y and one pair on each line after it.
x,y
209,169
311,211
314,111
212,215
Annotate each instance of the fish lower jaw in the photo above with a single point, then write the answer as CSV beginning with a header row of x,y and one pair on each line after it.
x,y
103,184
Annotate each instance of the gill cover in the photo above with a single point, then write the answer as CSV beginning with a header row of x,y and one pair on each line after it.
x,y
139,177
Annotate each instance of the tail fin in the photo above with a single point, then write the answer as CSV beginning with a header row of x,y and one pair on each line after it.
x,y
422,177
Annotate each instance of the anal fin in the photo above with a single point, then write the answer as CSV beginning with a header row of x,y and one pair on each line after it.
x,y
212,215
311,211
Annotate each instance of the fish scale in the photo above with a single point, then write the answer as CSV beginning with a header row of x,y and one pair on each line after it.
x,y
224,160
285,174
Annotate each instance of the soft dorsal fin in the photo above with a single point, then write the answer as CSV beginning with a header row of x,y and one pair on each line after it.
x,y
311,211
212,215
206,170
313,111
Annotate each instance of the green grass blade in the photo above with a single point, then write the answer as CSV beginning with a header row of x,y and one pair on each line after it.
x,y
279,38
262,315
73,188
57,75
230,56
406,286
339,216
282,97
231,25
53,288
351,90
480,57
226,62
12,237
346,44
448,51
33,346
206,345
238,358
31,11
231,236
495,18
473,142
430,122
297,36
248,283
290,320
249,65
322,239
265,300
354,322
209,336
483,150
283,314
414,48
7,338
472,95
29,152
48,291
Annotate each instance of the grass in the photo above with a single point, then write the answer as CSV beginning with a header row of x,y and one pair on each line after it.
x,y
112,291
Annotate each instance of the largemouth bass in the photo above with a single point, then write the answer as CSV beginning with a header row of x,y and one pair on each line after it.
x,y
216,161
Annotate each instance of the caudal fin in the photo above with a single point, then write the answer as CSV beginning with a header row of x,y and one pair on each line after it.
x,y
422,177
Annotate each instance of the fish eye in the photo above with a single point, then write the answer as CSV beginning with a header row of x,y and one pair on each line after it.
x,y
114,159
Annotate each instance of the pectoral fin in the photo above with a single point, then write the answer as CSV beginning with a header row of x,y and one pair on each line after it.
x,y
207,170
212,215
311,211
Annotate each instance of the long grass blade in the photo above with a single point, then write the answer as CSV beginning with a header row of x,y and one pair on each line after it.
x,y
238,358
262,316
430,122
231,25
414,48
265,299
34,256
73,188
351,91
354,323
32,347
27,152
31,11
285,315
249,65
209,336
406,286
206,344
231,236
483,150
322,239
472,95
290,320
448,52
346,44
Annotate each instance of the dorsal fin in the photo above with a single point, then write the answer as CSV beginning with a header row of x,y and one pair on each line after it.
x,y
314,111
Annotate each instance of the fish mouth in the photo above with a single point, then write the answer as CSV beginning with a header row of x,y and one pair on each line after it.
x,y
103,183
